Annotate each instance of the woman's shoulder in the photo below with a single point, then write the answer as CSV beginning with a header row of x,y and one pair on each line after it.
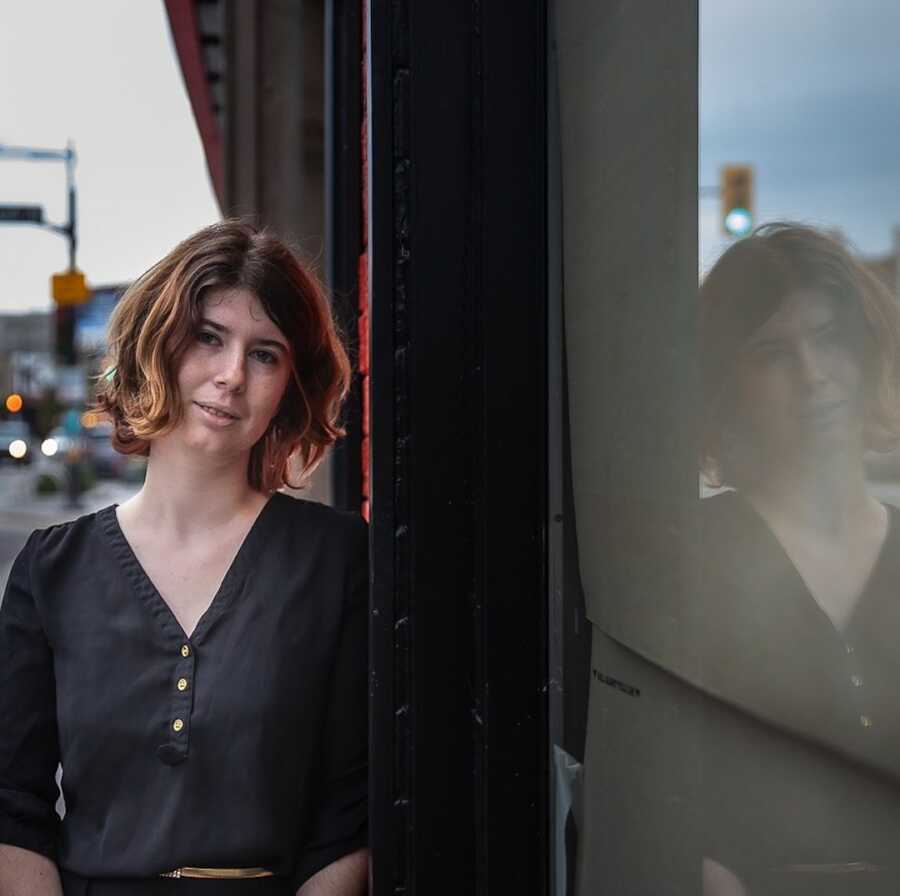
x,y
893,512
53,553
726,508
61,537
306,519
304,509
728,530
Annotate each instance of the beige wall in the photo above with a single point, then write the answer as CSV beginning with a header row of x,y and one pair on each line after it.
x,y
274,129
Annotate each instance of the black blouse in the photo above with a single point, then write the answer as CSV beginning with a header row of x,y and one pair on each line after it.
x,y
243,745
799,784
767,648
774,749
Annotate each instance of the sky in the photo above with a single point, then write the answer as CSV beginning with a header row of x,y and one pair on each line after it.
x,y
808,92
102,73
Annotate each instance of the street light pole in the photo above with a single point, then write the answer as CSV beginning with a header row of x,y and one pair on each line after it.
x,y
67,155
70,190
69,288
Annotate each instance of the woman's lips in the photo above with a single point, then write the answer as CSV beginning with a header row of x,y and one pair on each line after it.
x,y
824,410
218,414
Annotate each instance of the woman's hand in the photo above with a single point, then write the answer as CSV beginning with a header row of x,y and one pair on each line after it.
x,y
26,873
348,876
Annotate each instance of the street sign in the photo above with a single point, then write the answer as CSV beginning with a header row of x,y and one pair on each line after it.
x,y
22,214
69,288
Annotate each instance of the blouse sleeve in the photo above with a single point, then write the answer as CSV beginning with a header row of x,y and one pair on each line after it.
x,y
29,752
340,825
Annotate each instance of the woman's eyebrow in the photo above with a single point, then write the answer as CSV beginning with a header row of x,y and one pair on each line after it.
x,y
764,343
221,328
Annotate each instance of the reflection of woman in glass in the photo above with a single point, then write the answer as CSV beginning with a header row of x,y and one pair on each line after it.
x,y
799,620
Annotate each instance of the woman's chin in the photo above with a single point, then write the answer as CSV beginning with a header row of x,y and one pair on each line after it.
x,y
220,444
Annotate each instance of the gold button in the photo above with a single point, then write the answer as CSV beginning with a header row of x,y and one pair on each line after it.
x,y
856,681
185,650
178,724
182,684
865,721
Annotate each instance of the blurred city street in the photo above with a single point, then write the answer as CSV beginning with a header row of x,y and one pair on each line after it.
x,y
69,245
22,510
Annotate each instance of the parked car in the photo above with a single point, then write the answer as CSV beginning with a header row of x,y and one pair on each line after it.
x,y
15,442
96,445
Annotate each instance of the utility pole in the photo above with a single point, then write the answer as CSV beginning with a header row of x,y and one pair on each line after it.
x,y
68,288
31,214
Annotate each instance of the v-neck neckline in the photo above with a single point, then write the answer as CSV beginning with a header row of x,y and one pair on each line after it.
x,y
150,594
874,574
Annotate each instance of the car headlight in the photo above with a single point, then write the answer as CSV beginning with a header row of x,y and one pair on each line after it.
x,y
18,449
49,447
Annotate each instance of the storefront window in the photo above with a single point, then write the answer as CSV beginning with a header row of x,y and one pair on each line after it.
x,y
725,570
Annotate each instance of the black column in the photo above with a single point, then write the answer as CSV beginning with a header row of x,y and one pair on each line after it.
x,y
457,127
343,225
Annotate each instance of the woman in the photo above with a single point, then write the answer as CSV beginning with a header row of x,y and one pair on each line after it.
x,y
796,626
195,658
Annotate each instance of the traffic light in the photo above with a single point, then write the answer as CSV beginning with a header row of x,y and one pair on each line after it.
x,y
736,189
69,288
65,335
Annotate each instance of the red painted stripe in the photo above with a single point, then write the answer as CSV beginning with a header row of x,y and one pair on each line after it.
x,y
186,36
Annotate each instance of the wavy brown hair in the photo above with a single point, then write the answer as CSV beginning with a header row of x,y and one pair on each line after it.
x,y
749,283
159,314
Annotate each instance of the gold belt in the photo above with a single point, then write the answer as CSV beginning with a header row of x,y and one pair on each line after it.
x,y
219,873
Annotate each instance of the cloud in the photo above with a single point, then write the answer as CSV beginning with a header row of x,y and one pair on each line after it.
x,y
809,93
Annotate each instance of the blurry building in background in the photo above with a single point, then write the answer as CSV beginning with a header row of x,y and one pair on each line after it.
x,y
29,364
91,320
26,351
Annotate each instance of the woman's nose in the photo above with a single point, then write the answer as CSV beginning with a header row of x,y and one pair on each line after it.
x,y
810,365
231,374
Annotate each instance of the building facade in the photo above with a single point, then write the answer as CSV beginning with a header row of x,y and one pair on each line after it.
x,y
506,197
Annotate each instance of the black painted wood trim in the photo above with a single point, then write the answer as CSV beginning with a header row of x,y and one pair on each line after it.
x,y
343,224
457,167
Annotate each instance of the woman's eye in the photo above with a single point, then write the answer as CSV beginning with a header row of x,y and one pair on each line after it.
x,y
264,356
207,338
770,355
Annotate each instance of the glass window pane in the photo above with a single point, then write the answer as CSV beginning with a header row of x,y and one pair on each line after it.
x,y
732,549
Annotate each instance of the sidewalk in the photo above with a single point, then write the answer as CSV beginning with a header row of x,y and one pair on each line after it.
x,y
32,512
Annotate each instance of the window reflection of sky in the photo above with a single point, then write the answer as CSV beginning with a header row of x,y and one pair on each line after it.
x,y
809,93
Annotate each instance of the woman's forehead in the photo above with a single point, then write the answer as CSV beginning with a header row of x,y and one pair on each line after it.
x,y
801,311
239,309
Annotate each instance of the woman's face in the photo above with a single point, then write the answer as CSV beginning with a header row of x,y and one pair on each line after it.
x,y
233,375
800,384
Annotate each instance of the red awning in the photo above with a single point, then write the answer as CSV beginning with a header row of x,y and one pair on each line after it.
x,y
188,45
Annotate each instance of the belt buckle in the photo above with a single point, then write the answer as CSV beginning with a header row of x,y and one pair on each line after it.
x,y
218,873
